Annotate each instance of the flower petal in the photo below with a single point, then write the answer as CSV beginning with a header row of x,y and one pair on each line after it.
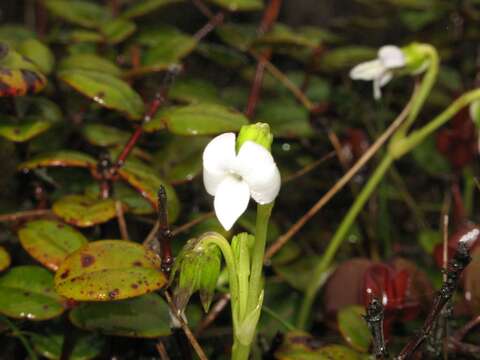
x,y
231,200
368,70
256,166
218,157
391,56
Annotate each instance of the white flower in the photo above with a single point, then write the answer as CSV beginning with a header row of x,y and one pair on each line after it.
x,y
380,70
232,178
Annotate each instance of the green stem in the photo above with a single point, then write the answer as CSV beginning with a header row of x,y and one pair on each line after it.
x,y
239,351
402,146
425,87
263,215
338,238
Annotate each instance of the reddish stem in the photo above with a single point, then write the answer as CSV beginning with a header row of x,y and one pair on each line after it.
x,y
269,17
209,26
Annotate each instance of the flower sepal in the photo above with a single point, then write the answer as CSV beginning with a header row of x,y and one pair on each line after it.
x,y
258,133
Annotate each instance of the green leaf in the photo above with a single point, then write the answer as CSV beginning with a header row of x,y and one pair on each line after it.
x,y
83,13
144,317
144,7
24,130
116,31
239,5
286,118
239,36
166,46
84,36
103,135
146,180
429,239
89,62
38,53
84,211
86,346
354,328
27,292
50,241
194,91
106,90
13,34
62,158
109,270
429,159
197,119
298,274
222,55
282,34
5,259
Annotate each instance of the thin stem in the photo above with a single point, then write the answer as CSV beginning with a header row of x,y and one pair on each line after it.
x,y
339,236
274,315
424,90
306,169
400,147
188,333
161,350
122,225
263,215
213,314
283,239
25,215
209,26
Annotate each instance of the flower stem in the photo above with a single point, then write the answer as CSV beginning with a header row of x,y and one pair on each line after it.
x,y
263,215
338,238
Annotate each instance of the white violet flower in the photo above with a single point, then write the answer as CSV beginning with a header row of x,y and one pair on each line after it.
x,y
232,178
380,70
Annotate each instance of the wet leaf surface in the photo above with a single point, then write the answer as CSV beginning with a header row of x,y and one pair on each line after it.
x,y
106,90
50,241
145,316
5,259
109,270
49,345
197,119
63,158
147,181
103,135
194,91
83,13
89,62
354,328
27,292
84,211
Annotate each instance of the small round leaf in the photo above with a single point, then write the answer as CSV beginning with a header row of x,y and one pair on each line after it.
x,y
84,211
353,327
109,270
5,259
50,241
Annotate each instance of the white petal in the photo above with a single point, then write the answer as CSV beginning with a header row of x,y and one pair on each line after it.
x,y
218,157
385,78
367,70
231,200
391,56
256,166
377,91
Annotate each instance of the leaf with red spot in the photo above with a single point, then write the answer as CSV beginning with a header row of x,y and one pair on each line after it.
x,y
109,270
84,211
26,292
50,241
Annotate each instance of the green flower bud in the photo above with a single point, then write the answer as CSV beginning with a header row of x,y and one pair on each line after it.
x,y
258,133
198,267
416,58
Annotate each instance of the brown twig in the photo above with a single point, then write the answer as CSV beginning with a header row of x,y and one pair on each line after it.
x,y
306,169
194,222
161,350
269,17
282,240
213,314
25,215
122,225
188,333
209,26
